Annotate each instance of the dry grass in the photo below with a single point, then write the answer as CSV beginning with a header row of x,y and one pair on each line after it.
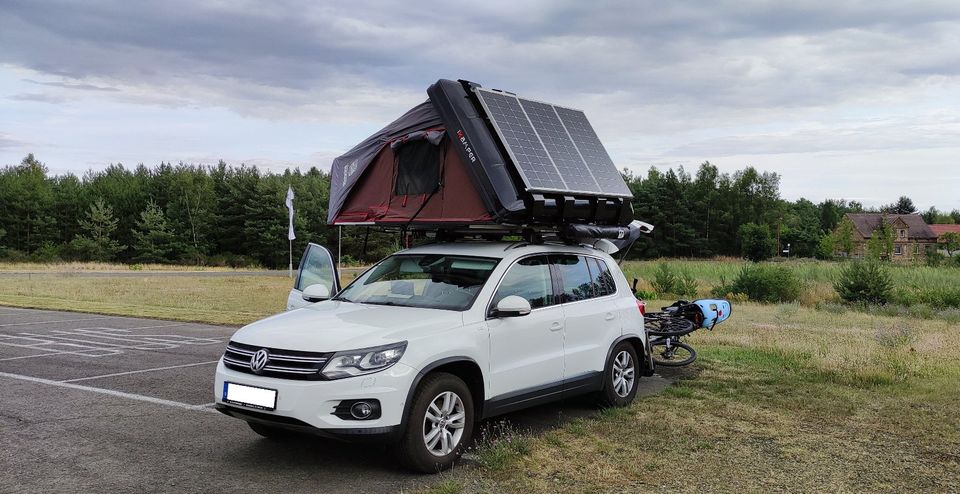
x,y
784,398
218,300
67,267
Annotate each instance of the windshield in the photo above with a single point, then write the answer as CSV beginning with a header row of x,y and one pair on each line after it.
x,y
432,281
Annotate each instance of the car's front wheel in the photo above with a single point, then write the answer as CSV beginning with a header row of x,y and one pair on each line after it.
x,y
440,423
620,378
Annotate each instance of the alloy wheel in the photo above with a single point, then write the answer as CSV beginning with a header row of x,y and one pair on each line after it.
x,y
443,423
623,374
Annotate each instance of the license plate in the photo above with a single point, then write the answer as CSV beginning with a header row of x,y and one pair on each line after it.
x,y
250,396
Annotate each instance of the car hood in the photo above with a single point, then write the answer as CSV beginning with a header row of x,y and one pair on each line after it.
x,y
334,325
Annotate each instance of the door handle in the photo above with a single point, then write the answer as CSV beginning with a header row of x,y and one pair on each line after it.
x,y
610,316
556,326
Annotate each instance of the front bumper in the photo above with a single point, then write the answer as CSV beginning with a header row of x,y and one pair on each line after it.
x,y
302,405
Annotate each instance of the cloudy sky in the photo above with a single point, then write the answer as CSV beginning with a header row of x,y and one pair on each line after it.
x,y
859,100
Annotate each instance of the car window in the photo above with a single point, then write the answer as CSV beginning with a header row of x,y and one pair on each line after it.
x,y
528,278
575,277
316,268
432,281
603,283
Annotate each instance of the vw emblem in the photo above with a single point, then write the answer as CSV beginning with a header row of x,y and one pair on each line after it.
x,y
259,360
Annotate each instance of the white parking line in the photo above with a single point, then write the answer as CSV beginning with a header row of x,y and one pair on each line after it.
x,y
139,371
120,394
51,322
32,356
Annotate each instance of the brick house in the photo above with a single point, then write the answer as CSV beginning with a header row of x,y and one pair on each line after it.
x,y
939,230
912,237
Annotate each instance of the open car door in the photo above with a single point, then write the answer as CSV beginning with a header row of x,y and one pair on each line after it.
x,y
317,278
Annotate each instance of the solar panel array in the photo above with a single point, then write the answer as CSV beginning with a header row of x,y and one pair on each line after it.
x,y
554,148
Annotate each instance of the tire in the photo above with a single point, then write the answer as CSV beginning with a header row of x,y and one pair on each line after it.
x,y
270,432
621,376
664,325
680,353
432,443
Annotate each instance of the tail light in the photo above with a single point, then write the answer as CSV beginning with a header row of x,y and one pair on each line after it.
x,y
642,307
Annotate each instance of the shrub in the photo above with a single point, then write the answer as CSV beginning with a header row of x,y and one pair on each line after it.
x,y
686,285
48,252
645,295
763,284
757,242
934,259
664,279
864,282
668,281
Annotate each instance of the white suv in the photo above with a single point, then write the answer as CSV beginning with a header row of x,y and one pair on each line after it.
x,y
431,340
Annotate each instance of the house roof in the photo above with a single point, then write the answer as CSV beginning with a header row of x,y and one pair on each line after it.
x,y
866,223
939,230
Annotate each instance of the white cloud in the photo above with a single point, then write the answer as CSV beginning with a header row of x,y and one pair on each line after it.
x,y
663,82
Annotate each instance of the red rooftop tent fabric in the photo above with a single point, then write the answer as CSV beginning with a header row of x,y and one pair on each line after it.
x,y
388,191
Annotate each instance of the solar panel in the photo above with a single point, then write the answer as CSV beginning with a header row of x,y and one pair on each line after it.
x,y
523,144
604,171
554,148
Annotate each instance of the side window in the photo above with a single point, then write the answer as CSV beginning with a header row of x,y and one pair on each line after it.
x,y
602,278
316,267
528,278
575,275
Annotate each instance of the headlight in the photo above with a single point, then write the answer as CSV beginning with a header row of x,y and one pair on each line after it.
x,y
363,361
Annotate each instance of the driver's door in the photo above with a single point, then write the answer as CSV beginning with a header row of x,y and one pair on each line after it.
x,y
316,267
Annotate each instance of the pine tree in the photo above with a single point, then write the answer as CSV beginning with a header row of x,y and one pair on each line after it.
x,y
96,244
153,240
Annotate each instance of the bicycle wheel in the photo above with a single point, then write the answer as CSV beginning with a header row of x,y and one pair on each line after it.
x,y
659,324
674,354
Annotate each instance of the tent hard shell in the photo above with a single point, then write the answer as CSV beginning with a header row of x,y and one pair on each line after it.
x,y
454,162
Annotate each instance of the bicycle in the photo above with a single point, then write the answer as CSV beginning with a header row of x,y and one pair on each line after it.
x,y
664,329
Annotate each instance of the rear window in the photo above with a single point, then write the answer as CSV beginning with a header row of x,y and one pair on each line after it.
x,y
603,283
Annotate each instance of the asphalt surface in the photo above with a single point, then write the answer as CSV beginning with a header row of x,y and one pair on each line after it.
x,y
92,403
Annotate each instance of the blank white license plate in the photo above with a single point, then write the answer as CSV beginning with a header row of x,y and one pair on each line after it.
x,y
250,396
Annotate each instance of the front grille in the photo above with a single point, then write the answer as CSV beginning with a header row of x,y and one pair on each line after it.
x,y
285,364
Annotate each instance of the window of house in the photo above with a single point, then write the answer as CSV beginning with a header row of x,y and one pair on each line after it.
x,y
916,249
898,249
902,233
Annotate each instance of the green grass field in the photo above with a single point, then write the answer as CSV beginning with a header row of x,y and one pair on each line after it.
x,y
784,397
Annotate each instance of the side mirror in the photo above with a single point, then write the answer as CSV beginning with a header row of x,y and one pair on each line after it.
x,y
512,306
316,293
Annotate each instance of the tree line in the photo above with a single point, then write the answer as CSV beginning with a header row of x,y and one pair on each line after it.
x,y
742,214
235,215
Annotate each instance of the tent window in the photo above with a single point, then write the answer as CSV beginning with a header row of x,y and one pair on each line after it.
x,y
418,168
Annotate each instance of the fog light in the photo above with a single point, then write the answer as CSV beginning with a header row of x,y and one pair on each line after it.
x,y
361,410
365,409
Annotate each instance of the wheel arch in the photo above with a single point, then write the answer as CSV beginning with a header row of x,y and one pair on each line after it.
x,y
646,360
465,368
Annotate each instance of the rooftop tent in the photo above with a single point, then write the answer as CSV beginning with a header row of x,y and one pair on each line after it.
x,y
471,156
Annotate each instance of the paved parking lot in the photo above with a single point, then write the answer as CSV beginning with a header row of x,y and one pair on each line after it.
x,y
92,403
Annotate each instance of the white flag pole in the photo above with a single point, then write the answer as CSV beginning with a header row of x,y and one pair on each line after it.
x,y
290,234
